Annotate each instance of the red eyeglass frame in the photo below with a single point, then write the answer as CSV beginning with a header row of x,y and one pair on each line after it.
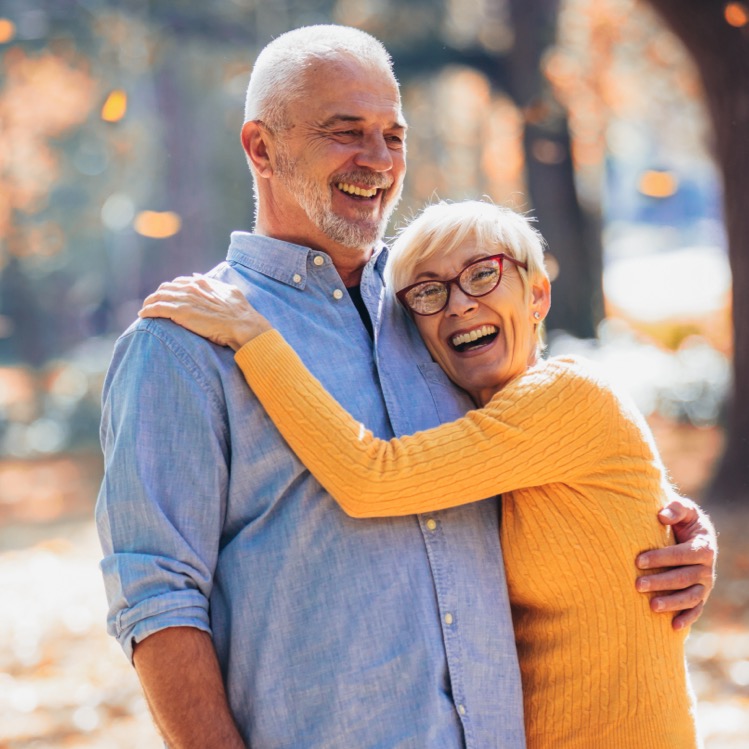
x,y
501,257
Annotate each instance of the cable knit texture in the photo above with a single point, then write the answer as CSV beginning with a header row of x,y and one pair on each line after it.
x,y
581,483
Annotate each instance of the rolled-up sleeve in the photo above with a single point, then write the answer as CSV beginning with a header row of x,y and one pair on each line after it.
x,y
163,497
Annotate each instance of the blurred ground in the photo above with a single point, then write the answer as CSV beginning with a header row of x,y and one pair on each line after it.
x,y
65,683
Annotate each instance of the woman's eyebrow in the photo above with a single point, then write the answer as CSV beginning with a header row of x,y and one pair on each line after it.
x,y
432,276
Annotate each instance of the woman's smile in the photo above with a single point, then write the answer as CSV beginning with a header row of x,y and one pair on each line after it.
x,y
469,341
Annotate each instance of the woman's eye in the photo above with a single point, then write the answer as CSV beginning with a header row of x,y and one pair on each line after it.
x,y
483,274
428,292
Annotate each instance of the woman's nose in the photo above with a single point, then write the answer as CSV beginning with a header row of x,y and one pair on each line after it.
x,y
459,303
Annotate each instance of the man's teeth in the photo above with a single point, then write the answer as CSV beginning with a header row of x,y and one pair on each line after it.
x,y
354,190
473,335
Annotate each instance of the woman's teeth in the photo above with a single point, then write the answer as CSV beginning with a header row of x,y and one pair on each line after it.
x,y
463,338
354,190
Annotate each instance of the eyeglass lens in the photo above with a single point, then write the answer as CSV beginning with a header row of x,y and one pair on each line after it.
x,y
475,280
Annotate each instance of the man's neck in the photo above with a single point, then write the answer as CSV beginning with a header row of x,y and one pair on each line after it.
x,y
349,262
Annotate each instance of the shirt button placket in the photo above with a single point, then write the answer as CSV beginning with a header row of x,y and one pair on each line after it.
x,y
433,538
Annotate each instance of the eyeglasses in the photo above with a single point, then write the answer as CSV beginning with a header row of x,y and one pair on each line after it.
x,y
476,280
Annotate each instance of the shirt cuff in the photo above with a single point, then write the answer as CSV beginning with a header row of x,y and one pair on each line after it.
x,y
174,609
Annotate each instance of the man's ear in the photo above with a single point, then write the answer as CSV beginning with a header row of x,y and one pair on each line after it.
x,y
255,141
541,297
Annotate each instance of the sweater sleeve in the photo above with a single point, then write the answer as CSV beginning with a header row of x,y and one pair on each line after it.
x,y
546,426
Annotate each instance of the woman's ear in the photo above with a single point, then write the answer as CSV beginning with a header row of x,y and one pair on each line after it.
x,y
255,141
540,299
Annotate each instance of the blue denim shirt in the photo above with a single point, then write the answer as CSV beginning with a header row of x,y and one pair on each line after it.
x,y
330,631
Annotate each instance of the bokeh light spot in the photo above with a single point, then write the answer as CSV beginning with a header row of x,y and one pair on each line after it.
x,y
736,14
115,106
158,224
658,184
118,211
7,30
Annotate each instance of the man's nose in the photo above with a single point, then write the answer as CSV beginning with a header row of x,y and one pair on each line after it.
x,y
375,154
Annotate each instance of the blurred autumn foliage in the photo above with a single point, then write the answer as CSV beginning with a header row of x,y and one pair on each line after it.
x,y
120,167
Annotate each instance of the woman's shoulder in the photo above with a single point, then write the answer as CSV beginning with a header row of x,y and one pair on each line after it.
x,y
566,371
567,391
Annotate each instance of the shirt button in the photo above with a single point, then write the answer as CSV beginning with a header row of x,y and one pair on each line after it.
x,y
297,278
431,524
448,619
337,294
462,709
318,260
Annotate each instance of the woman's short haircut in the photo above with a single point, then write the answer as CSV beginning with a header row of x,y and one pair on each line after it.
x,y
443,227
278,74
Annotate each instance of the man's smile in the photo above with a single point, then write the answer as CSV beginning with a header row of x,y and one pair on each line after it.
x,y
359,192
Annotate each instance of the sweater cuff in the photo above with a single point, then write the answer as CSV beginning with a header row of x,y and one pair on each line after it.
x,y
266,350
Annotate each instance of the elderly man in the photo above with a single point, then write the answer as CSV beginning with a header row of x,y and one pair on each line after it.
x,y
256,613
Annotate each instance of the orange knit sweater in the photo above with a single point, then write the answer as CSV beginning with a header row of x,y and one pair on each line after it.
x,y
581,483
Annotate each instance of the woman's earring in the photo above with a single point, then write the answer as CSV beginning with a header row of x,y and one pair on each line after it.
x,y
537,315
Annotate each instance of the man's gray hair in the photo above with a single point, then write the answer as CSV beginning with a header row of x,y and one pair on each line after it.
x,y
278,74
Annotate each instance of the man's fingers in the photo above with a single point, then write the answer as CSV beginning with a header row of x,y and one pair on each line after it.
x,y
680,600
676,511
677,578
687,618
697,552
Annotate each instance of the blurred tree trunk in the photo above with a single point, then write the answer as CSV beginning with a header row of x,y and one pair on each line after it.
x,y
577,291
721,54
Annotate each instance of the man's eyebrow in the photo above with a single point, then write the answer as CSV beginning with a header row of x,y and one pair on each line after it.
x,y
343,118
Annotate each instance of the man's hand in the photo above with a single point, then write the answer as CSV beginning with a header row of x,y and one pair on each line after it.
x,y
691,561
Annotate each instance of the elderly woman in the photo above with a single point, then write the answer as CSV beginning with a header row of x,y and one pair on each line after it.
x,y
579,474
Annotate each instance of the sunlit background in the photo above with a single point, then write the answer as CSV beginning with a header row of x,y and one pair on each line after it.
x,y
120,167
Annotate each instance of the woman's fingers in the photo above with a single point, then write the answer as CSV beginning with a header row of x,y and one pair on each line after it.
x,y
213,309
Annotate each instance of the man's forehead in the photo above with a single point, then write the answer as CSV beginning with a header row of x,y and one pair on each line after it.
x,y
345,87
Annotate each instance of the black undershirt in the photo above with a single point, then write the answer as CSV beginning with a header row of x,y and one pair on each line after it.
x,y
356,298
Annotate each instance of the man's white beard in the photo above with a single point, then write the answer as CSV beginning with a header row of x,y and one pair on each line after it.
x,y
316,202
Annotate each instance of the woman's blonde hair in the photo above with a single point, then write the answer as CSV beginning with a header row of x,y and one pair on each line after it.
x,y
442,227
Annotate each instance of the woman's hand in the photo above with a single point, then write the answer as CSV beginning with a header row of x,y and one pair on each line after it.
x,y
215,310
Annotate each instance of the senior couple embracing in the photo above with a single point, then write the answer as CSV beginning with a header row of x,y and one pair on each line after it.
x,y
303,541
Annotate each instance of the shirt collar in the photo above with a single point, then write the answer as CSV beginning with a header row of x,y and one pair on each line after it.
x,y
284,261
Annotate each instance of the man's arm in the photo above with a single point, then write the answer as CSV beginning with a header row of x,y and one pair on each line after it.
x,y
182,681
159,515
691,561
